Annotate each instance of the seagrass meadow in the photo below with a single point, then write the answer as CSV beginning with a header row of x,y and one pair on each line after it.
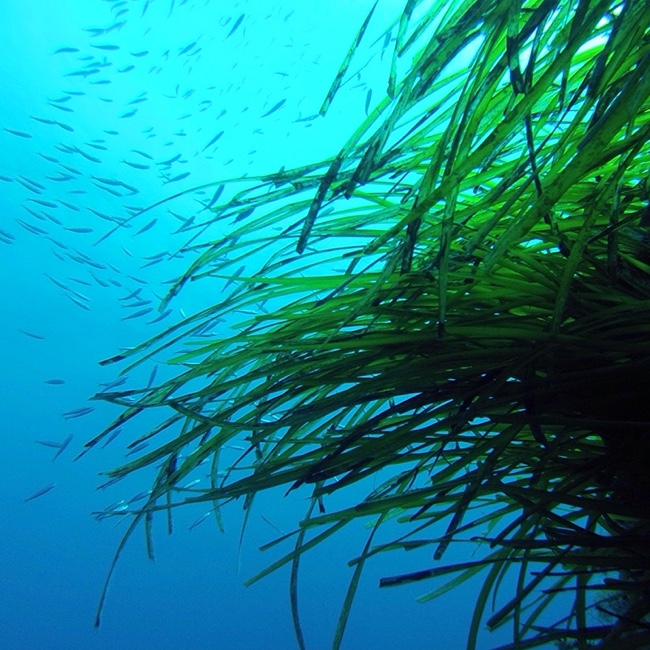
x,y
452,312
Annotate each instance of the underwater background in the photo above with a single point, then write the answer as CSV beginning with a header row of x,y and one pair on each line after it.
x,y
107,108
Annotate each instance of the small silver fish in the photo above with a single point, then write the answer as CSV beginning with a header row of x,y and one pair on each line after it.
x,y
40,493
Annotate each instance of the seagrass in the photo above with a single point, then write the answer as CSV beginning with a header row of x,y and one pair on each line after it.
x,y
457,304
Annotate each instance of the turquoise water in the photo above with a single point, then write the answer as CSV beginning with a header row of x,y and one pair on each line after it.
x,y
108,108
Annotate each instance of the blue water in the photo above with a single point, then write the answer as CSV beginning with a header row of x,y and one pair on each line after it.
x,y
88,85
